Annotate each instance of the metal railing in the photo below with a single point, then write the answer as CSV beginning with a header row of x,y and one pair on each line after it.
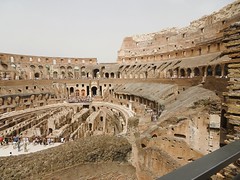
x,y
208,165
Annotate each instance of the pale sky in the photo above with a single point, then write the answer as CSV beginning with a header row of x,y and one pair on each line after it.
x,y
90,28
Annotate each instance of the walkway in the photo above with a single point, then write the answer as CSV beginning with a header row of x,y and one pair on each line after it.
x,y
6,149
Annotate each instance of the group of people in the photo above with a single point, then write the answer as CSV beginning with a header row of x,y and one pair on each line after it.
x,y
18,141
3,140
43,141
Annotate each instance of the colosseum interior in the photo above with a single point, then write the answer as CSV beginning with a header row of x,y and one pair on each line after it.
x,y
171,97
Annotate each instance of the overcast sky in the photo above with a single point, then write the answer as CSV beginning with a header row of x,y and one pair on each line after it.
x,y
90,28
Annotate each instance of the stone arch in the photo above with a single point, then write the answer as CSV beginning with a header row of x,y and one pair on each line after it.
x,y
37,75
225,71
76,72
106,75
93,108
94,90
77,92
83,92
223,127
112,75
17,100
95,73
119,75
32,67
71,90
90,126
40,97
224,120
169,73
55,75
209,71
32,98
9,100
70,75
5,66
63,75
218,70
62,68
196,71
69,68
182,73
189,72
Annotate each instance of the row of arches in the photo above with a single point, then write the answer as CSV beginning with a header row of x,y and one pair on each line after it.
x,y
218,70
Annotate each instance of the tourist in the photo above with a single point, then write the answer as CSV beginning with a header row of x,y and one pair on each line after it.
x,y
15,140
19,144
6,140
1,140
25,143
62,140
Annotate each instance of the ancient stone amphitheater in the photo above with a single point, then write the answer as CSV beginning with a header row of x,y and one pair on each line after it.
x,y
172,97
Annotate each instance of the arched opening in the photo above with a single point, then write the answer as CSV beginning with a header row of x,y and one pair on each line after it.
x,y
204,71
112,75
77,92
196,71
63,75
90,126
93,108
218,70
70,75
154,135
182,72
69,68
118,75
223,119
225,69
83,92
71,90
189,71
55,75
62,68
223,128
83,73
143,145
5,66
76,72
106,75
33,67
95,73
170,73
94,91
209,71
37,75
50,130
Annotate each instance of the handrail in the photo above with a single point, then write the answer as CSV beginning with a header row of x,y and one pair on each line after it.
x,y
208,165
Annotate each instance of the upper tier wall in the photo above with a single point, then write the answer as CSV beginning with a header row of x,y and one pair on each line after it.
x,y
27,59
200,37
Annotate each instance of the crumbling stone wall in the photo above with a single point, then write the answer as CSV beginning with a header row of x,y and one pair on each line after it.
x,y
232,97
90,149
